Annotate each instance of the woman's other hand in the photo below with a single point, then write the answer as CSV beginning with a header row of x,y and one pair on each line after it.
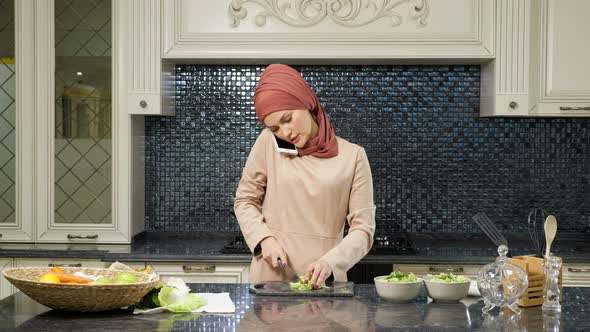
x,y
272,251
317,273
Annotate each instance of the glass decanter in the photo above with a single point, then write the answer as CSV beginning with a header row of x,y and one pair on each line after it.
x,y
501,283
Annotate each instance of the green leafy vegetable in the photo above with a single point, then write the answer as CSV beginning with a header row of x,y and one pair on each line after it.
x,y
301,286
191,302
397,276
155,300
176,297
150,300
449,277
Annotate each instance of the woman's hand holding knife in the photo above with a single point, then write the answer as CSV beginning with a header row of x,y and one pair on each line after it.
x,y
272,252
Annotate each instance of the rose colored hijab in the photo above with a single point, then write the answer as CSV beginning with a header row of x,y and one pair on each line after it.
x,y
282,88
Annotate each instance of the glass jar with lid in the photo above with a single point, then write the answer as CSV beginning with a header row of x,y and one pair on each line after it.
x,y
501,283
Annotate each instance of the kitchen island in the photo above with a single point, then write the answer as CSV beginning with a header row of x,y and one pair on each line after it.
x,y
363,312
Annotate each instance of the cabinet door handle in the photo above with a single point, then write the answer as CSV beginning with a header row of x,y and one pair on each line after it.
x,y
85,237
198,268
581,108
445,269
574,269
65,265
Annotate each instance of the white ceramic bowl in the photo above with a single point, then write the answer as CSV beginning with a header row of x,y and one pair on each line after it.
x,y
441,291
398,292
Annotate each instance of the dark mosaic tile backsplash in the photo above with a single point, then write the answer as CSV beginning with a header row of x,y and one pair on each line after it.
x,y
435,162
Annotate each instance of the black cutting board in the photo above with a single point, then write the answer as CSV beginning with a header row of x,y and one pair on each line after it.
x,y
282,288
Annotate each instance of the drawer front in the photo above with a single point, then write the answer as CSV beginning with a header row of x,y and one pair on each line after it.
x,y
576,275
24,262
203,272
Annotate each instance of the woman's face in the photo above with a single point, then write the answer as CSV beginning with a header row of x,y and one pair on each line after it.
x,y
295,126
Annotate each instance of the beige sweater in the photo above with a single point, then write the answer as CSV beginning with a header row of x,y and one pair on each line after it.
x,y
303,202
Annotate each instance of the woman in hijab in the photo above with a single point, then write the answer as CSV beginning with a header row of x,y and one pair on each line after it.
x,y
292,209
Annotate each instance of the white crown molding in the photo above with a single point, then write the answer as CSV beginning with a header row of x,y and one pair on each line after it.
x,y
349,13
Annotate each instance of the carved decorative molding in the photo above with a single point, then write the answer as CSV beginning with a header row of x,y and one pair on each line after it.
x,y
349,13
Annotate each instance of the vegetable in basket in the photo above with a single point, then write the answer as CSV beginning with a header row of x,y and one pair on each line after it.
x,y
57,275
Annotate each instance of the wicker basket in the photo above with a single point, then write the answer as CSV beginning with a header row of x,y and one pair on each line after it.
x,y
533,266
79,297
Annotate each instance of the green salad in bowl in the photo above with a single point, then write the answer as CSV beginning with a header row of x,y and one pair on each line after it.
x,y
448,277
397,276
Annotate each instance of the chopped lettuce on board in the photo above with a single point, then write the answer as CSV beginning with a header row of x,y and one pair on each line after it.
x,y
448,277
397,276
301,286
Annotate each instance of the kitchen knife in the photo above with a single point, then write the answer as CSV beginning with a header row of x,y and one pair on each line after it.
x,y
290,270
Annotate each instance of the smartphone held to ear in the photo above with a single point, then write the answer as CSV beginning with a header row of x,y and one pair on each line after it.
x,y
285,147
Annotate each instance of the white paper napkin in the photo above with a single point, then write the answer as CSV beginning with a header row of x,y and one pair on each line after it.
x,y
217,303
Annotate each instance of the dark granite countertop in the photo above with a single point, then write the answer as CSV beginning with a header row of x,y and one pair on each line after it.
x,y
205,247
364,312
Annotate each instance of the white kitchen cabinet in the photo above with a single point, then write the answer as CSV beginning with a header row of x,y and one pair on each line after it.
x,y
203,272
150,87
80,173
564,57
17,144
84,136
6,288
542,60
576,275
365,30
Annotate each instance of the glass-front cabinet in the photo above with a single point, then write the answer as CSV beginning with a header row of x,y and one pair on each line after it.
x,y
76,116
16,115
66,156
7,115
82,155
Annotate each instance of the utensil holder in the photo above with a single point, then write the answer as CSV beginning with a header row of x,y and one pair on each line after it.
x,y
533,267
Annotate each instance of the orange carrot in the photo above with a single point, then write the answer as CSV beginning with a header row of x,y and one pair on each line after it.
x,y
57,269
148,269
69,278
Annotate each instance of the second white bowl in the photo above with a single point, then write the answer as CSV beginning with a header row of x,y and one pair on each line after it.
x,y
441,291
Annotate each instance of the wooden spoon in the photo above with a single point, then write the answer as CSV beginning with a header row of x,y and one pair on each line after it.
x,y
550,231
